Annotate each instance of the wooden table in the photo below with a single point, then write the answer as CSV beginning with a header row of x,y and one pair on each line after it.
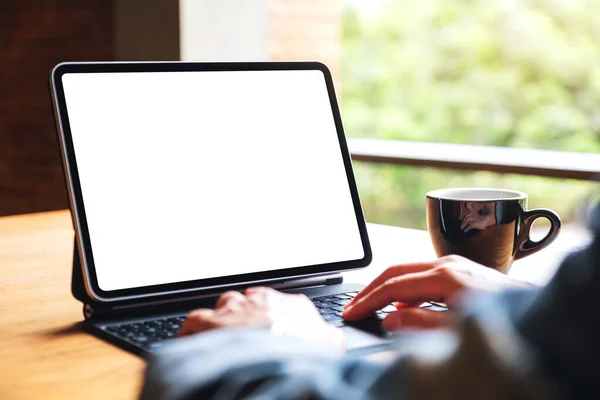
x,y
45,354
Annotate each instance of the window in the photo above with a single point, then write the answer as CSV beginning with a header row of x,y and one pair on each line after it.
x,y
482,72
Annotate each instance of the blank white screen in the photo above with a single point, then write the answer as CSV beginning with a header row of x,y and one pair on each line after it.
x,y
193,175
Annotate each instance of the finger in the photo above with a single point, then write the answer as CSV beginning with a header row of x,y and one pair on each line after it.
x,y
463,223
391,272
467,228
258,291
401,304
416,318
251,290
229,298
468,220
197,321
260,295
417,287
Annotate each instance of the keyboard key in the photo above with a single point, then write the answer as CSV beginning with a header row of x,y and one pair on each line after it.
x,y
437,308
116,329
326,304
388,309
434,306
436,303
155,345
326,298
325,311
342,302
343,297
140,339
127,331
331,317
338,308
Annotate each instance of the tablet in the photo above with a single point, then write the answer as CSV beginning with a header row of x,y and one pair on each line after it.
x,y
193,176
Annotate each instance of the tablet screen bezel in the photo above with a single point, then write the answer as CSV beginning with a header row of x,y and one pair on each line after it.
x,y
77,202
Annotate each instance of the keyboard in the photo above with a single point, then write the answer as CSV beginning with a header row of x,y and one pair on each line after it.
x,y
152,334
331,307
148,334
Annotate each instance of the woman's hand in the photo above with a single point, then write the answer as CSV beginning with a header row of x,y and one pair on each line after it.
x,y
289,314
441,280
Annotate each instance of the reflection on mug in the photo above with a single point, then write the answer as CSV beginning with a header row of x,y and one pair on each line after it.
x,y
477,215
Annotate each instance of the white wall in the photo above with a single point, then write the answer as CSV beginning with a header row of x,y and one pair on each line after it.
x,y
224,30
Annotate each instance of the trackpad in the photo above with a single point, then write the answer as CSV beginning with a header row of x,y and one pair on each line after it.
x,y
356,338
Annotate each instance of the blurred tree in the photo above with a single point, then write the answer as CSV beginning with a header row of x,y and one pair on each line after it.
x,y
516,73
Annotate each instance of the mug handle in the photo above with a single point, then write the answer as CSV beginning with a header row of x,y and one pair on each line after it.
x,y
526,246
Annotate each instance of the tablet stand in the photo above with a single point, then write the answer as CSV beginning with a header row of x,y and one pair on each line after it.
x,y
90,307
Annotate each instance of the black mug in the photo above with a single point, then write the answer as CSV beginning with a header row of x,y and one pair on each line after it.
x,y
488,226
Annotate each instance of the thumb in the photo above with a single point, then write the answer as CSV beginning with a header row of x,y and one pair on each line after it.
x,y
417,318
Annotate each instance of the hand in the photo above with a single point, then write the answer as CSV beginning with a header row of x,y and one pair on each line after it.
x,y
412,284
293,315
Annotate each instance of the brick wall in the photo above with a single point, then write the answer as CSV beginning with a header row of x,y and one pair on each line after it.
x,y
34,36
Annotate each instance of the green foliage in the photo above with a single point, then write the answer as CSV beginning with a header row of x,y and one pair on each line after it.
x,y
516,73
396,195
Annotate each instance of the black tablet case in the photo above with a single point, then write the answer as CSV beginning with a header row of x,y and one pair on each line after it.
x,y
97,310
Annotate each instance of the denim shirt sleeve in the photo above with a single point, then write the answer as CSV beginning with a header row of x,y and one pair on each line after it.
x,y
252,363
563,323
